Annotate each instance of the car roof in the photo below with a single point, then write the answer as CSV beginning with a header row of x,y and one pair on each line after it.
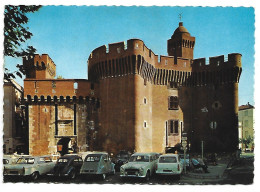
x,y
98,153
69,156
169,154
146,153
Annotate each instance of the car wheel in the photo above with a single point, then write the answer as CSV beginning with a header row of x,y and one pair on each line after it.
x,y
35,175
103,176
73,174
147,177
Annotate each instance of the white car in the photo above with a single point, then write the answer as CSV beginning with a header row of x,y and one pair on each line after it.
x,y
30,166
169,164
140,165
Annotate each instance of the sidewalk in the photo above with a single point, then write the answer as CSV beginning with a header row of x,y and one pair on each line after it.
x,y
215,172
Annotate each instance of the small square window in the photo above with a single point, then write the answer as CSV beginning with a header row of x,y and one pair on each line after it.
x,y
173,85
173,103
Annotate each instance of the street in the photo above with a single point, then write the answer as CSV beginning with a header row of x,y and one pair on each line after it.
x,y
242,172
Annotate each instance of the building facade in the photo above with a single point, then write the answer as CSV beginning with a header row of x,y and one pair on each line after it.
x,y
246,125
14,130
136,100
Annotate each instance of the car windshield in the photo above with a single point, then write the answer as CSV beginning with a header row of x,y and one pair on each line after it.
x,y
167,160
93,158
139,158
122,156
62,160
25,161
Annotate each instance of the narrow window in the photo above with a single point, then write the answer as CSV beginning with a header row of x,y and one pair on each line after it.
x,y
53,84
166,62
92,86
35,84
75,85
173,128
246,123
176,126
145,124
145,101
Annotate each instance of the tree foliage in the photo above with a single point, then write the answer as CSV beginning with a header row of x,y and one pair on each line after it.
x,y
15,33
246,141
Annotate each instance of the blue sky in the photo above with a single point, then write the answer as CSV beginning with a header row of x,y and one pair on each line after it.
x,y
69,34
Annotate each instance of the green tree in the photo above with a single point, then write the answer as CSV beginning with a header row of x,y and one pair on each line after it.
x,y
15,34
246,141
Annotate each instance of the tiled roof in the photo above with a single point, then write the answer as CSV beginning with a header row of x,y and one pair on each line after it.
x,y
247,106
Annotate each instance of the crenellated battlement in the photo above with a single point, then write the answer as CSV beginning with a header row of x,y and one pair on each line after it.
x,y
117,51
60,99
39,66
217,62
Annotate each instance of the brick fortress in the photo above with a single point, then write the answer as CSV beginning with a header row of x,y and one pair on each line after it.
x,y
135,100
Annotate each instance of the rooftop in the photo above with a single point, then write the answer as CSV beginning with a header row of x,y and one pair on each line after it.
x,y
247,106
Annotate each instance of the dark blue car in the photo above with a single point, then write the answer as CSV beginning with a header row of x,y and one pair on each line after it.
x,y
67,166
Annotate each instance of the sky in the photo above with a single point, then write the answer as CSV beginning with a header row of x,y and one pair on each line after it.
x,y
70,33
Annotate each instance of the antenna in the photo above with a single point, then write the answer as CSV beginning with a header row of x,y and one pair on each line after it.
x,y
180,16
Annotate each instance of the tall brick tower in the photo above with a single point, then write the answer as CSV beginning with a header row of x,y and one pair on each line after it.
x,y
181,43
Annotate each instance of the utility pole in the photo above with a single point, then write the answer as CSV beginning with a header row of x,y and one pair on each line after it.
x,y
202,150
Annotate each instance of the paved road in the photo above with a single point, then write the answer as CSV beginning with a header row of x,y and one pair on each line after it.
x,y
115,179
242,172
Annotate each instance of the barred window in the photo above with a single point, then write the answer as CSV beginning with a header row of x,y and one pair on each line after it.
x,y
173,103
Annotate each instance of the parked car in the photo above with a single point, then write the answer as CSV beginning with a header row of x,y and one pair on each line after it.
x,y
121,158
97,163
169,164
33,166
11,159
141,165
67,166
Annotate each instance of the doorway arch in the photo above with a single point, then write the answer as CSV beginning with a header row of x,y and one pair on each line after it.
x,y
63,146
